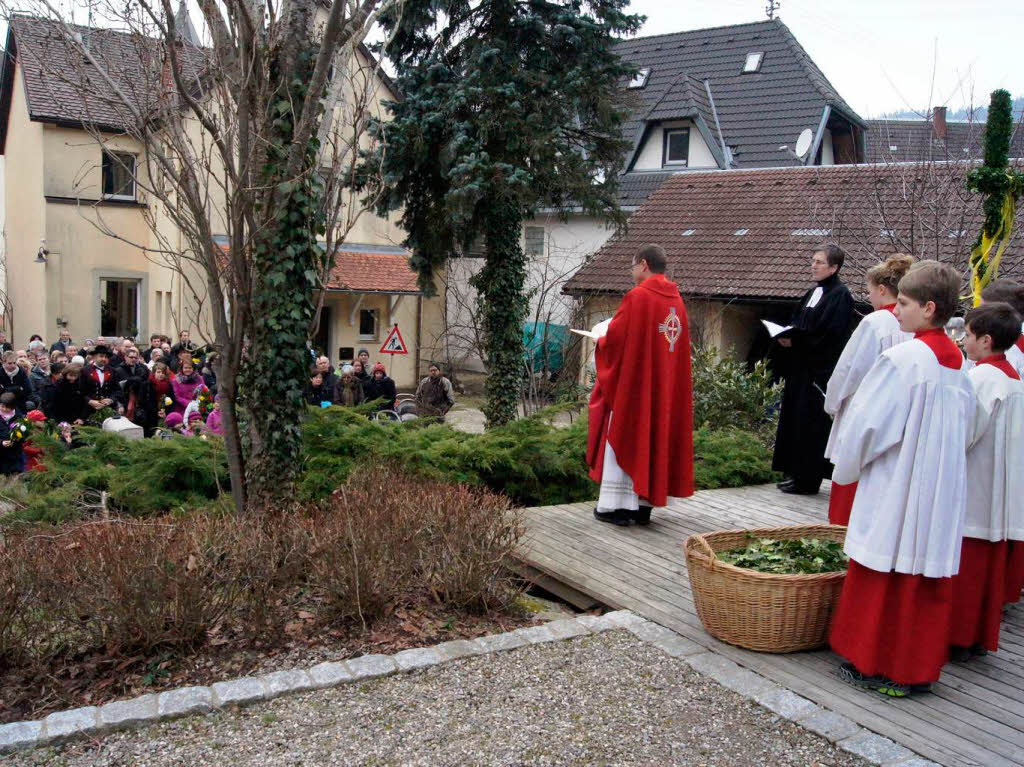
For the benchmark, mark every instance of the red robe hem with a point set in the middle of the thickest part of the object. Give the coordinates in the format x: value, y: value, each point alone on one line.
x: 978, y: 591
x: 893, y: 624
x: 840, y: 503
x: 1014, y: 571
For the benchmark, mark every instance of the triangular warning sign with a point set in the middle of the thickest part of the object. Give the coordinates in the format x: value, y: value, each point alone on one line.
x: 394, y: 343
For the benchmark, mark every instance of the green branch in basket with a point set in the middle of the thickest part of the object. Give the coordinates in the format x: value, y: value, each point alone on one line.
x: 796, y: 556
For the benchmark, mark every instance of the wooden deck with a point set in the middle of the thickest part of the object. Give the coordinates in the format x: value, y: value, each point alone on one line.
x: 975, y: 716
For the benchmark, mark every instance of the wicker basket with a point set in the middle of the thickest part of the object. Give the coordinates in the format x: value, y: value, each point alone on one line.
x: 762, y: 611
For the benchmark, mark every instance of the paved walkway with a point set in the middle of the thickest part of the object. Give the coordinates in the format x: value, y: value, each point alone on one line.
x: 597, y: 699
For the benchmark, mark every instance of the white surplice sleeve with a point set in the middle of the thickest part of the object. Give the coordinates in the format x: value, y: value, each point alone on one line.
x: 875, y: 421
x: 858, y: 356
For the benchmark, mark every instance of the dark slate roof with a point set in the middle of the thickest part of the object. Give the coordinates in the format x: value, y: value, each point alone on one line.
x: 635, y: 187
x: 871, y: 210
x: 62, y: 86
x: 759, y: 111
x: 915, y: 141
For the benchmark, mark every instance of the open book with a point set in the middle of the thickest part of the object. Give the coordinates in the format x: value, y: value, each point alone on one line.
x: 775, y: 330
x: 600, y: 330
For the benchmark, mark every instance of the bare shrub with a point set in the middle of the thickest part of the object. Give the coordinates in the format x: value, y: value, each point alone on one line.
x: 134, y: 588
x: 388, y: 537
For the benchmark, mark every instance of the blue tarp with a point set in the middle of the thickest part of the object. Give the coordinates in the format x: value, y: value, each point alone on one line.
x: 544, y: 344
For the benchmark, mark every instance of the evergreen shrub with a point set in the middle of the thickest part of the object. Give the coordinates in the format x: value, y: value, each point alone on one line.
x: 530, y: 460
x: 725, y: 391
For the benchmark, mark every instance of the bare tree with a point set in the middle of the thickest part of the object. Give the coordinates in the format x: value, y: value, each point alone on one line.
x: 241, y: 171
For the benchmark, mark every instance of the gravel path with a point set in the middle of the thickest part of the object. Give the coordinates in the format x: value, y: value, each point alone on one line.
x: 601, y: 699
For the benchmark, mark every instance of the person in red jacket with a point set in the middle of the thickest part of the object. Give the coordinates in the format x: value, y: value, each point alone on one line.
x: 640, y: 445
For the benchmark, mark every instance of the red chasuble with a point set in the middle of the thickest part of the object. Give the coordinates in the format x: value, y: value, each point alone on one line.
x: 897, y: 624
x: 643, y: 377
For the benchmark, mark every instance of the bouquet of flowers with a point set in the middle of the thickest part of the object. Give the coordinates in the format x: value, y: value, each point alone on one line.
x: 205, y: 400
x: 19, y: 432
x: 167, y: 402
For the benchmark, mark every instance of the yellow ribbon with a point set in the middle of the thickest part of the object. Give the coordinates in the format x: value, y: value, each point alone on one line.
x: 982, y: 253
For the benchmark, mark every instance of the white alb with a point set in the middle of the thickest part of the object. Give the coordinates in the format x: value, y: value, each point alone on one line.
x: 904, y: 439
x: 877, y: 332
x: 995, y: 459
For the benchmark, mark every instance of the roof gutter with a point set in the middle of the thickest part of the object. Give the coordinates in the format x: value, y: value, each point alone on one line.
x: 718, y: 126
x: 826, y: 113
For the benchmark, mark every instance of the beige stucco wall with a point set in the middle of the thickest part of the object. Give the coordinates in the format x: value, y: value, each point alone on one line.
x: 25, y: 223
x: 650, y: 155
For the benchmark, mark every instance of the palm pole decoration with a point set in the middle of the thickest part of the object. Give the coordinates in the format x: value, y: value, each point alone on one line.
x: 1001, y: 187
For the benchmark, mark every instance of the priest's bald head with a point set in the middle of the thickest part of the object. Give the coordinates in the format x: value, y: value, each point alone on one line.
x: 650, y: 259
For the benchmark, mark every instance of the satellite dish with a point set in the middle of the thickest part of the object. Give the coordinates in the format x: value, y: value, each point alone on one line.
x: 803, y: 143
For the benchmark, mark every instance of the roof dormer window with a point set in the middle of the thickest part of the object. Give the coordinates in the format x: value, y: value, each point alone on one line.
x: 640, y: 78
x: 753, y: 62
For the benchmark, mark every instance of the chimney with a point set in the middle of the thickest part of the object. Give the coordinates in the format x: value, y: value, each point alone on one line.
x: 939, y: 123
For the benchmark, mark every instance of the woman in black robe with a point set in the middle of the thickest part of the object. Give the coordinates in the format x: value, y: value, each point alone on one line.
x: 820, y: 329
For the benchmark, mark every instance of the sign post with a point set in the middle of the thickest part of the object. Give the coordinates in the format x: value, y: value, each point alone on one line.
x: 394, y: 344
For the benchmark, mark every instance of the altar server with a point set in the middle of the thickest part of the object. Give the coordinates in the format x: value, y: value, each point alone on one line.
x: 1012, y: 293
x: 995, y: 481
x: 905, y: 440
x: 877, y: 332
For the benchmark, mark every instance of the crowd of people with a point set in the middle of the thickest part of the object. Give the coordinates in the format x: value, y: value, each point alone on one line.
x: 166, y: 389
x: 923, y: 444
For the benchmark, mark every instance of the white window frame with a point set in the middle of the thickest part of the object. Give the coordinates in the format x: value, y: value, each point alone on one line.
x: 753, y: 62
x: 376, y: 325
x: 139, y: 301
x: 640, y: 78
x: 119, y: 159
x: 527, y: 240
x: 666, y: 134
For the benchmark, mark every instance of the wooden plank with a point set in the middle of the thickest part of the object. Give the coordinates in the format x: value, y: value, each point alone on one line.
x: 577, y: 599
x: 974, y: 719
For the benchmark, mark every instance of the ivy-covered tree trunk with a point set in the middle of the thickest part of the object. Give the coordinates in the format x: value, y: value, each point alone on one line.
x: 503, y: 309
x: 285, y: 277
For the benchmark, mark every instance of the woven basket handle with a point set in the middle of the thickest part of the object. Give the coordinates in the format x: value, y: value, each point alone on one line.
x: 705, y: 548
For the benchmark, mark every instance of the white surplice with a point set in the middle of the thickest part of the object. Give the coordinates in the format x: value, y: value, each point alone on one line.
x: 905, y: 440
x: 877, y: 332
x: 1015, y: 357
x: 995, y: 459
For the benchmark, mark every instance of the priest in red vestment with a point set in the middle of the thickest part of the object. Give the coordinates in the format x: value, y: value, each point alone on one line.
x: 640, y: 446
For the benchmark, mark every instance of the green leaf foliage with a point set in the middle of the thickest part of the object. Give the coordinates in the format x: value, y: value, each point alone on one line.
x: 726, y: 392
x: 531, y: 460
x: 797, y: 556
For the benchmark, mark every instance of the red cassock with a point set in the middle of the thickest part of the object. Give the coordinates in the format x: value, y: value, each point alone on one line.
x: 643, y: 377
x: 978, y: 594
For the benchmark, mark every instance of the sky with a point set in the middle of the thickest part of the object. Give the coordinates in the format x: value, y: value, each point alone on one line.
x: 881, y: 54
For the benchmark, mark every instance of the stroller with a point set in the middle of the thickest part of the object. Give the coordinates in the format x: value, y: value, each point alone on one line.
x: 404, y: 410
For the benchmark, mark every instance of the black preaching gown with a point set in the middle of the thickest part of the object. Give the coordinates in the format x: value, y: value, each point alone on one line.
x: 819, y: 334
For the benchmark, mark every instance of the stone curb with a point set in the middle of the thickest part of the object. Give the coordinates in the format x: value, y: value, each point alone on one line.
x: 151, y: 708
x: 155, y: 707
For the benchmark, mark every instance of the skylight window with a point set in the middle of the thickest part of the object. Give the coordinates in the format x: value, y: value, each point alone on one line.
x: 753, y: 62
x: 955, y: 234
x: 689, y: 232
x: 741, y: 232
x: 811, y: 232
x: 893, y: 147
x: 640, y: 78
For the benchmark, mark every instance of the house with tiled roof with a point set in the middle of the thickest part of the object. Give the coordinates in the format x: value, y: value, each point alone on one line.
x: 739, y: 242
x: 703, y: 100
x: 80, y: 230
x: 935, y: 138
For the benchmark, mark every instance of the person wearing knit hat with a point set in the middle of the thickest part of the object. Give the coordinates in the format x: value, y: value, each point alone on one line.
x: 36, y: 415
x: 381, y: 387
x: 174, y: 421
x: 363, y: 355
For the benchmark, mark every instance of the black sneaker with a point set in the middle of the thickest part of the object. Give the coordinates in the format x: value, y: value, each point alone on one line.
x: 620, y: 517
x: 641, y: 516
x: 880, y: 684
x: 783, y: 483
x: 794, y: 489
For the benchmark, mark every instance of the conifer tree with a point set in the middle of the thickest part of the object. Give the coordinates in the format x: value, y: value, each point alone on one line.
x: 507, y: 108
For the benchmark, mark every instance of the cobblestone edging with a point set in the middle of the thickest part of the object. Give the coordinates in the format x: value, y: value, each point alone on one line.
x: 154, y: 707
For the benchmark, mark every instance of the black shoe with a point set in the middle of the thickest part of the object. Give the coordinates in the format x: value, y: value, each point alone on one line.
x: 795, y: 489
x: 642, y: 516
x: 783, y: 483
x: 620, y: 517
